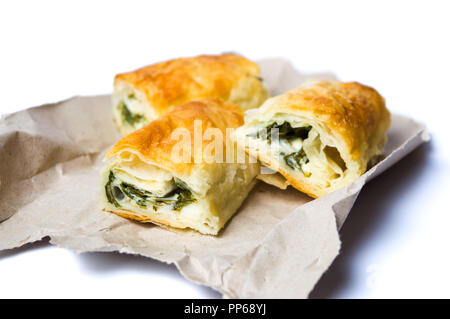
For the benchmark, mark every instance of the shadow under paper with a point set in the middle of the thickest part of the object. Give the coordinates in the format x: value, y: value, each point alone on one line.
x: 367, y: 217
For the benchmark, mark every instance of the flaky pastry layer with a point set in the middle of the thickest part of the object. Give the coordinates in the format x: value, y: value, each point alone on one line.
x: 329, y: 132
x: 145, y: 94
x: 142, y: 181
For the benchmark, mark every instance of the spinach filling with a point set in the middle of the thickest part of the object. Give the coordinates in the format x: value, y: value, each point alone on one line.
x: 128, y: 116
x: 109, y: 190
x: 176, y: 199
x: 288, y: 133
x: 285, y: 131
x: 296, y: 160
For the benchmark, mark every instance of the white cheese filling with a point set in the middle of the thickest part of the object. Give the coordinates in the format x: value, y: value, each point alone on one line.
x: 161, y: 183
x: 323, y: 162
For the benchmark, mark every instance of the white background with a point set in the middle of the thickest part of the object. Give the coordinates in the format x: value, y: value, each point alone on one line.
x: 396, y: 240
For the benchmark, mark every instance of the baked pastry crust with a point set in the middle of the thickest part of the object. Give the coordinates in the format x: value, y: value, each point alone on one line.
x: 349, y: 118
x: 152, y: 91
x: 144, y: 159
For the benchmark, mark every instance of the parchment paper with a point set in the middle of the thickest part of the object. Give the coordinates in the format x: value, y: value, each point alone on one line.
x: 277, y: 246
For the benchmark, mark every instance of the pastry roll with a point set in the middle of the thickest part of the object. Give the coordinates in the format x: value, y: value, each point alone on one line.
x: 147, y: 93
x: 150, y: 178
x: 319, y: 137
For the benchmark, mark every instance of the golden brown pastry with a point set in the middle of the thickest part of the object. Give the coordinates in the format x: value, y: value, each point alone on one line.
x: 328, y: 133
x: 150, y: 178
x: 147, y: 93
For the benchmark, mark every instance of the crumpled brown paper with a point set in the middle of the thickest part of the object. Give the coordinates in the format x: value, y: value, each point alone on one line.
x: 277, y: 246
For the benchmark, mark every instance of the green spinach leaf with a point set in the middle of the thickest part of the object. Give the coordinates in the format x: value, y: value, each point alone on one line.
x: 285, y: 131
x: 128, y: 116
x: 177, y: 199
x: 109, y: 191
x: 296, y: 160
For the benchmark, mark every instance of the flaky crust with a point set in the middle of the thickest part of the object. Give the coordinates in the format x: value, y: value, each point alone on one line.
x: 219, y: 188
x: 356, y: 112
x: 351, y: 116
x: 154, y: 142
x: 142, y: 219
x: 175, y: 82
